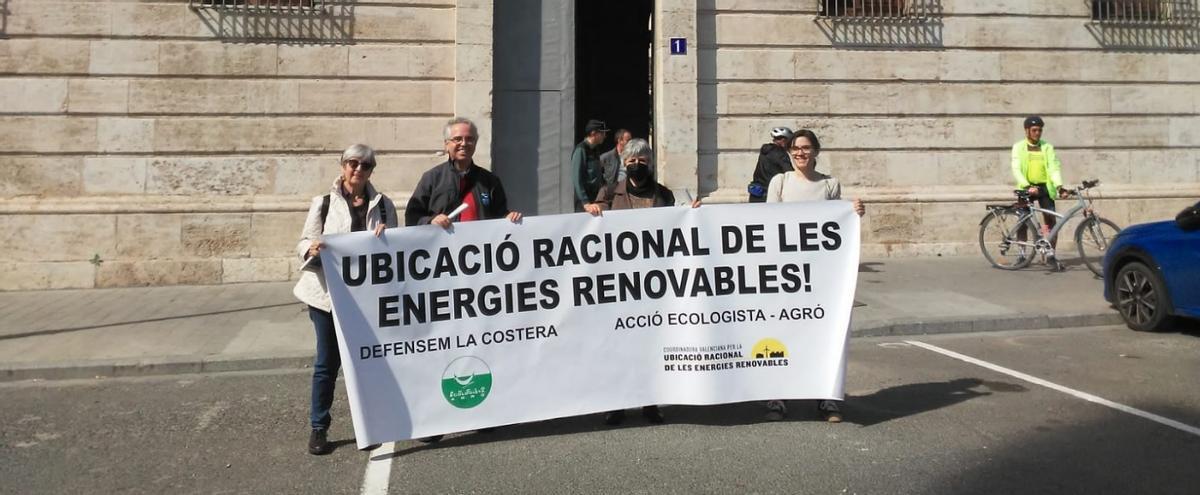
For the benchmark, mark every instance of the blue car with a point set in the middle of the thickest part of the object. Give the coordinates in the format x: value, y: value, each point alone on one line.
x: 1152, y: 271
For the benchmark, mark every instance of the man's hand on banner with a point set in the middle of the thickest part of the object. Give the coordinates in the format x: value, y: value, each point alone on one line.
x: 593, y: 208
x: 441, y: 220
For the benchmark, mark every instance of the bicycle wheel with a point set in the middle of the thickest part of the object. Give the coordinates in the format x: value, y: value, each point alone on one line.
x: 1092, y: 238
x: 998, y: 239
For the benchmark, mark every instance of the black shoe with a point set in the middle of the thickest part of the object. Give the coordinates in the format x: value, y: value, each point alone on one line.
x: 318, y: 443
x: 830, y: 411
x: 433, y: 439
x: 614, y: 418
x: 653, y: 415
x: 1055, y: 265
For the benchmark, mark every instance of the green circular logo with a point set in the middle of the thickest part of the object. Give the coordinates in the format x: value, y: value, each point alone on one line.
x: 466, y: 382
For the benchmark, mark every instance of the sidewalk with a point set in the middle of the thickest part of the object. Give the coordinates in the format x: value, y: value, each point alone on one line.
x: 191, y: 329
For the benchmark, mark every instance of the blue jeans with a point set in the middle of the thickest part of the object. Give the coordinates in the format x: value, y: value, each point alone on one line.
x: 325, y: 368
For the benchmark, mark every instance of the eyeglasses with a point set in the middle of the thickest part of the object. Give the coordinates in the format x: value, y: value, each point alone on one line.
x: 463, y: 139
x: 637, y: 160
x: 364, y: 166
x: 797, y: 149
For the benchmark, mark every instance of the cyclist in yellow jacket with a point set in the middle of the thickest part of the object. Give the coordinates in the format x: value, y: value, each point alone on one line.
x: 1036, y: 169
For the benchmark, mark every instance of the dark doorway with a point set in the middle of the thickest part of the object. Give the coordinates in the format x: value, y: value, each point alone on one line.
x: 613, y: 65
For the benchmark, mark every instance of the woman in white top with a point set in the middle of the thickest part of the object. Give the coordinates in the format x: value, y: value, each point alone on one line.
x: 804, y: 183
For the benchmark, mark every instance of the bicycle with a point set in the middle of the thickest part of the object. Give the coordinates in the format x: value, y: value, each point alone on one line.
x: 1006, y: 229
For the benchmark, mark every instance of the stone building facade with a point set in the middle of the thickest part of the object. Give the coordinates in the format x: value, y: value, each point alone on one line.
x: 148, y: 142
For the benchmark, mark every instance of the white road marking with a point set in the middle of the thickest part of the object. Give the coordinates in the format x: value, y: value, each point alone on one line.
x: 1054, y: 386
x: 379, y: 470
x: 894, y: 345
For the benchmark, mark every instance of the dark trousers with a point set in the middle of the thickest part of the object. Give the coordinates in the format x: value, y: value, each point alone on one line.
x: 325, y: 368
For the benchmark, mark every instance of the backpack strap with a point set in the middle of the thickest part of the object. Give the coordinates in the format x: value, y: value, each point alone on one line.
x: 383, y: 212
x: 324, y: 210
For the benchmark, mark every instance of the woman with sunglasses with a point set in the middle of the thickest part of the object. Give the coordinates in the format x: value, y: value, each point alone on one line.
x: 351, y: 205
x: 804, y: 183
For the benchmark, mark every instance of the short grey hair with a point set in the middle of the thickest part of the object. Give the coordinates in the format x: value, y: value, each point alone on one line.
x: 459, y: 120
x: 360, y: 152
x: 639, y: 147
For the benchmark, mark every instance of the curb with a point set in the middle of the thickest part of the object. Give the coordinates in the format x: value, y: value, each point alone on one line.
x: 987, y: 324
x: 180, y: 365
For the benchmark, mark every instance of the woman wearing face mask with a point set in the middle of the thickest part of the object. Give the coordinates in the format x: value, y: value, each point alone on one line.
x: 638, y: 190
x: 804, y: 183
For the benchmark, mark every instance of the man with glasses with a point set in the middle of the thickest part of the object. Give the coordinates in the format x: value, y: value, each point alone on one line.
x: 458, y: 181
x: 1036, y: 169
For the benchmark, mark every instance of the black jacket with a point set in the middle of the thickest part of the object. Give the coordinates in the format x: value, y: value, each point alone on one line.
x: 437, y: 192
x: 772, y: 160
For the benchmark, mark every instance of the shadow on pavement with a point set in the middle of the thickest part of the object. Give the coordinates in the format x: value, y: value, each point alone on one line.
x: 907, y: 400
x: 53, y: 331
x: 869, y: 267
x: 885, y: 405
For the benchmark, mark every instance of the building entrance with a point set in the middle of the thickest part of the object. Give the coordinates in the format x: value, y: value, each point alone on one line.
x: 613, y: 65
x: 558, y: 64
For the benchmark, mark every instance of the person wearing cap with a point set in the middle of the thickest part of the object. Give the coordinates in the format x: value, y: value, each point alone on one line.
x: 587, y: 173
x: 458, y: 181
x: 1036, y: 169
x: 772, y: 160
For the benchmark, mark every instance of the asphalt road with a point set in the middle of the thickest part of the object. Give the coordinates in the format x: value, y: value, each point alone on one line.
x: 918, y: 421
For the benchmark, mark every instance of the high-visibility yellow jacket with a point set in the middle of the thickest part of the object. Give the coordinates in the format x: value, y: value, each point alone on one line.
x: 1020, y: 165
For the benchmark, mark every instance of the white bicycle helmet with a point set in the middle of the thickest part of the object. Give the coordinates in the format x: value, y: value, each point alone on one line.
x: 781, y: 132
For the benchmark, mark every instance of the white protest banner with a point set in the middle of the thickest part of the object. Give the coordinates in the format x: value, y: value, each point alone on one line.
x: 496, y: 323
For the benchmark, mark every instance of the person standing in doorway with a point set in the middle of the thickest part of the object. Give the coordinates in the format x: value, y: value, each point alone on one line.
x: 772, y: 160
x: 1037, y: 170
x: 587, y: 173
x: 614, y: 170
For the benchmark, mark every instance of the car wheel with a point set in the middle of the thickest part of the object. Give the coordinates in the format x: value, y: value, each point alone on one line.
x: 1141, y: 297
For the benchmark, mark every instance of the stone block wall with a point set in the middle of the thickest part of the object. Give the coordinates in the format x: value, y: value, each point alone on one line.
x: 145, y: 142
x: 917, y: 118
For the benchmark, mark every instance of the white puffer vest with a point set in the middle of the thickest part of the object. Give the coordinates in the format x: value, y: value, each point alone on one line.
x: 311, y: 288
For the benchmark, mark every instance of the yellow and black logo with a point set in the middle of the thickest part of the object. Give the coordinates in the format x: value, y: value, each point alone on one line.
x: 769, y: 348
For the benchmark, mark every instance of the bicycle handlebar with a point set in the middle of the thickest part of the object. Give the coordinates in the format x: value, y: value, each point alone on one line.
x: 1023, y: 194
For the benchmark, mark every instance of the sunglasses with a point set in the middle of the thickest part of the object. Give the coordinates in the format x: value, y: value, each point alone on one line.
x: 365, y: 166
